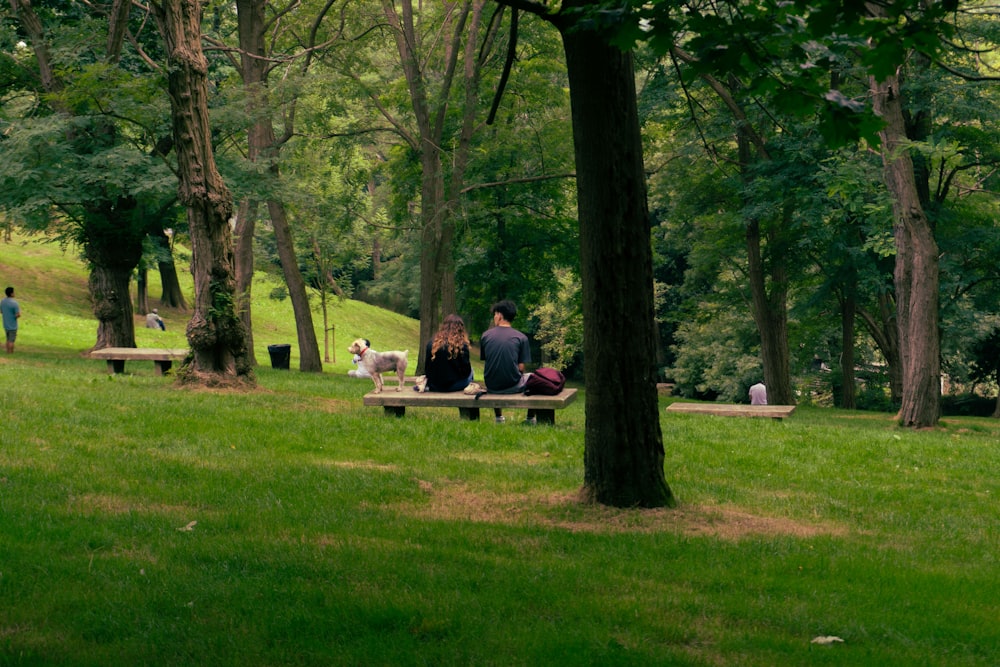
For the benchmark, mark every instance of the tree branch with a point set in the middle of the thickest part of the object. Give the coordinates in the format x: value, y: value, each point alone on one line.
x: 526, y: 179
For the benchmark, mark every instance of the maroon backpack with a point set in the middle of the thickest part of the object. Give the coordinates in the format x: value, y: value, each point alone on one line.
x: 546, y: 381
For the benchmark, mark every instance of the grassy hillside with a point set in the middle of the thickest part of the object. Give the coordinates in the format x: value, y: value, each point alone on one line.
x: 51, y: 286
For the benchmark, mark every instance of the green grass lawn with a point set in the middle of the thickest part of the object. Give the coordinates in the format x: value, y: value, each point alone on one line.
x: 146, y: 524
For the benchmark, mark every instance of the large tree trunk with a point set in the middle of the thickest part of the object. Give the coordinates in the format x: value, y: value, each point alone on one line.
x: 216, y: 334
x: 263, y: 144
x: 113, y: 248
x: 110, y: 299
x: 623, y: 445
x: 916, y: 274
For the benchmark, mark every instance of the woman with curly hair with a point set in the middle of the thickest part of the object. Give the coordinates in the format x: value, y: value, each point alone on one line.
x: 448, y: 367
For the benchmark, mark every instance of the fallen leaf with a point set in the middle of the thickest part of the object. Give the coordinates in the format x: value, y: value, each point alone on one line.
x: 827, y: 640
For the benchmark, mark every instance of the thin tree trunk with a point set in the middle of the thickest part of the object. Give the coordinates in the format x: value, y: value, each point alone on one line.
x: 848, y: 395
x: 246, y: 219
x: 436, y: 246
x: 142, y: 290
x: 309, y: 358
x: 437, y: 261
x: 769, y: 293
x: 996, y: 408
x: 770, y: 314
x: 890, y: 348
x: 263, y: 144
x: 216, y: 334
x: 885, y: 332
x: 623, y: 445
x: 171, y: 296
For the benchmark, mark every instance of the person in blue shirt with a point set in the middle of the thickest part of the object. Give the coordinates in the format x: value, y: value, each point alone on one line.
x: 11, y: 312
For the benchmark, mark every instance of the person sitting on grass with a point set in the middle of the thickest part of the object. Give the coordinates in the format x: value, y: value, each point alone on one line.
x: 154, y: 321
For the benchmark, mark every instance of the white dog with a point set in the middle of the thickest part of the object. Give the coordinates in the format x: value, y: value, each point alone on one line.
x: 378, y: 362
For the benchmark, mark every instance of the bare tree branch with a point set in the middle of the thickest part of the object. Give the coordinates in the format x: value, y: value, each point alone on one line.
x: 526, y: 179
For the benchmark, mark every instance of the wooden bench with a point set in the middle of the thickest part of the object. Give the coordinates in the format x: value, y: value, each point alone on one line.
x: 396, y: 402
x: 162, y: 358
x: 733, y: 409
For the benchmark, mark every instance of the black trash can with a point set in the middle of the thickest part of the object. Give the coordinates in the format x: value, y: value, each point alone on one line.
x: 281, y: 355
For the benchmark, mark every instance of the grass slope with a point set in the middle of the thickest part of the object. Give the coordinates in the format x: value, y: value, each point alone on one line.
x: 51, y: 286
x: 144, y: 524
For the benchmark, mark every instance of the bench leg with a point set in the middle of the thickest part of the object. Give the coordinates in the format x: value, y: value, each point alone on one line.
x: 161, y: 367
x: 472, y: 414
x: 116, y: 366
x: 394, y: 410
x: 545, y: 416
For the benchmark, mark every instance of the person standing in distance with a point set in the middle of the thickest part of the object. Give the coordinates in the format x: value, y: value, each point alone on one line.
x: 505, y: 351
x: 11, y: 311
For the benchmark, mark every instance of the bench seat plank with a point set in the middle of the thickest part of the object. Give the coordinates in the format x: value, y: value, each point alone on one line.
x: 396, y: 402
x: 733, y: 409
x: 116, y: 357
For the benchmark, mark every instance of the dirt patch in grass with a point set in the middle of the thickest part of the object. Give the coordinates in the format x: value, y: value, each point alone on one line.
x: 333, y: 405
x: 459, y: 502
x: 362, y: 465
x: 95, y: 503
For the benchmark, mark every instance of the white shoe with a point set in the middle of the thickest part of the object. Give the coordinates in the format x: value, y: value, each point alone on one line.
x: 501, y: 420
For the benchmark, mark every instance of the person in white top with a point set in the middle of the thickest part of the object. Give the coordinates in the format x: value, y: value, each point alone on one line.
x: 758, y: 394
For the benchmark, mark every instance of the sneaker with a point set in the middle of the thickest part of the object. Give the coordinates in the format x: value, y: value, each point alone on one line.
x: 501, y: 420
x: 531, y: 422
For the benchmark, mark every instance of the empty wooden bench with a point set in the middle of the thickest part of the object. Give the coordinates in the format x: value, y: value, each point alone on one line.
x: 733, y: 409
x: 162, y: 358
x: 396, y: 402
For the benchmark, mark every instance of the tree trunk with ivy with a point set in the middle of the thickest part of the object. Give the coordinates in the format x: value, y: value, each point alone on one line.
x: 218, y: 338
